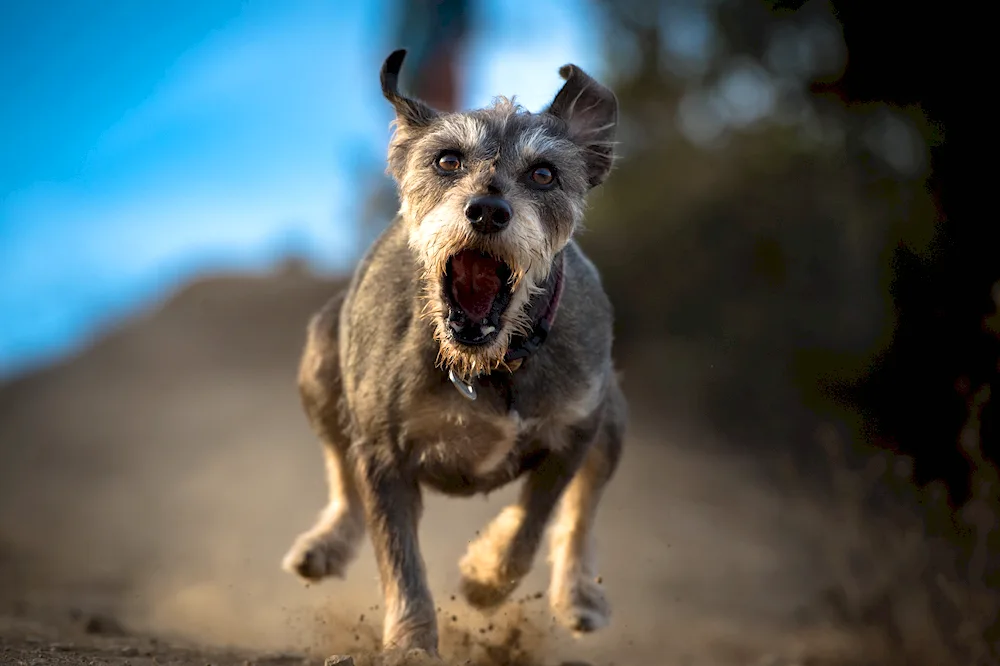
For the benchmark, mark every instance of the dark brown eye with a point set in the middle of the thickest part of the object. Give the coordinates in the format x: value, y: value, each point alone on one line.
x: 449, y: 162
x: 542, y: 176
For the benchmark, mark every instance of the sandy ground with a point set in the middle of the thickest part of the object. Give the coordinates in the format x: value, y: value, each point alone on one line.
x: 156, y: 480
x: 706, y: 571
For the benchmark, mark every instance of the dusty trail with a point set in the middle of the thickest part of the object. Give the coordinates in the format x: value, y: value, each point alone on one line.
x: 160, y: 476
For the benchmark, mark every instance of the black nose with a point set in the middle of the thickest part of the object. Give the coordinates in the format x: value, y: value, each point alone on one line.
x: 489, y: 214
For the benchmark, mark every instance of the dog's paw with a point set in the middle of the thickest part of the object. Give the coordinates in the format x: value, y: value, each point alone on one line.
x: 493, y: 566
x: 484, y: 589
x: 323, y: 552
x: 580, y: 606
x: 412, y: 639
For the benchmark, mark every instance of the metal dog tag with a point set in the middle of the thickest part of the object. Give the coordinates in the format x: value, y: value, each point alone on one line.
x: 467, y: 390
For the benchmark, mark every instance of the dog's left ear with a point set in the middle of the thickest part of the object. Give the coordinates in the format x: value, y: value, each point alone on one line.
x: 591, y: 112
x: 411, y: 112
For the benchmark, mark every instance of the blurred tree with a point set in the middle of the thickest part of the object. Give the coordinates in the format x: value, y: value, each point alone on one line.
x: 798, y: 243
x: 782, y: 225
x: 942, y: 353
x: 739, y: 240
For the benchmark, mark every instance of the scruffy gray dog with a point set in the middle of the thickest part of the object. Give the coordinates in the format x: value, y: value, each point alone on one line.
x: 472, y: 347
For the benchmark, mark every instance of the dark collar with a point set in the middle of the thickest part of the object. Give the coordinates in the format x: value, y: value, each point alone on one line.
x: 522, y: 347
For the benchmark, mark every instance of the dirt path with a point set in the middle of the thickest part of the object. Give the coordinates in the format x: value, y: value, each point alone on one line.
x: 696, y: 557
x: 60, y: 641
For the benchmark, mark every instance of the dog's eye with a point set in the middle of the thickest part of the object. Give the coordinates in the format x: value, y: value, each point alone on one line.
x: 449, y: 162
x: 542, y: 176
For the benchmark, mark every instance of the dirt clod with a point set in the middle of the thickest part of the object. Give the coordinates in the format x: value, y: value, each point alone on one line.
x: 339, y: 660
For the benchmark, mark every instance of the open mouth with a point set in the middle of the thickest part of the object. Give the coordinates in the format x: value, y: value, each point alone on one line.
x: 477, y: 290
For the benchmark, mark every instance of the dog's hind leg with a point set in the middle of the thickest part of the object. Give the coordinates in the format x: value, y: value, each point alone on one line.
x: 329, y: 546
x: 575, y: 594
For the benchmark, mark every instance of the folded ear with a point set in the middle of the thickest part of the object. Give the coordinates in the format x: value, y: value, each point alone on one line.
x: 590, y: 110
x: 411, y: 112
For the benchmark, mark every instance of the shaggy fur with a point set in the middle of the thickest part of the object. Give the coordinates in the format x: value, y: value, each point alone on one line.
x: 374, y: 374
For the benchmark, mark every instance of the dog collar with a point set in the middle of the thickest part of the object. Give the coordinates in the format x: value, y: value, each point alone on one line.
x: 523, y: 347
x: 520, y: 349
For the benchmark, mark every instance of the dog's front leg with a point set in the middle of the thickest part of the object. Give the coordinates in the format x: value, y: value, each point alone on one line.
x: 503, y: 554
x: 392, y: 502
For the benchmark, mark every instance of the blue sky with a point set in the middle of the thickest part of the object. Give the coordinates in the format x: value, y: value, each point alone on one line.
x: 145, y: 142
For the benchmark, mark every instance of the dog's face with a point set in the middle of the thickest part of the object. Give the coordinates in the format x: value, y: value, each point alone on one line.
x: 490, y: 197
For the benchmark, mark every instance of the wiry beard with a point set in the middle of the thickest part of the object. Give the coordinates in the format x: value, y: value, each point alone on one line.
x: 523, y: 247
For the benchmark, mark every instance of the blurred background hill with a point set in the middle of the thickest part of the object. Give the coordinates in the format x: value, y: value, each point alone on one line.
x: 784, y: 241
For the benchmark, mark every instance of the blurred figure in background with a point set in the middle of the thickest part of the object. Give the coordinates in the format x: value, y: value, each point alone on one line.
x: 435, y: 33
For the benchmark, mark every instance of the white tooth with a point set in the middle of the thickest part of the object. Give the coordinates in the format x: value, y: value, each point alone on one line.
x: 455, y: 325
x: 486, y: 330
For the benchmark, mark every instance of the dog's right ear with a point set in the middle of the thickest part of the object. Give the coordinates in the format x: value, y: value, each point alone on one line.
x: 410, y: 112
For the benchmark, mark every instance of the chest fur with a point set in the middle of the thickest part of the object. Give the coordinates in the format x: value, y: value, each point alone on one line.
x: 484, y: 439
x: 469, y: 441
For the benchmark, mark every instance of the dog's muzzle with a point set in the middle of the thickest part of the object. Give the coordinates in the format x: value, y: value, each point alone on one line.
x: 477, y: 289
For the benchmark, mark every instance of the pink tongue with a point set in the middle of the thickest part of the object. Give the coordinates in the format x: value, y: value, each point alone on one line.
x: 475, y: 283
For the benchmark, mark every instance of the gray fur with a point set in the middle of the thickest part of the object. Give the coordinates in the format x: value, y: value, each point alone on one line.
x: 374, y: 382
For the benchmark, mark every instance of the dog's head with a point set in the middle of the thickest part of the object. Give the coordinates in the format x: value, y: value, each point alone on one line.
x: 490, y: 197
